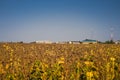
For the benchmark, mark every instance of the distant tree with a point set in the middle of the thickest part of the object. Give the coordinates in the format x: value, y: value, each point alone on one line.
x: 109, y: 42
x: 20, y: 42
x: 100, y: 42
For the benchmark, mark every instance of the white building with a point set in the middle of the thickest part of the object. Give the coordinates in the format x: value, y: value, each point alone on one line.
x: 74, y: 42
x: 43, y: 42
x: 117, y: 42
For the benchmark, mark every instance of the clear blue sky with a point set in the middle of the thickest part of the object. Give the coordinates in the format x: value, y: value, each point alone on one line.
x: 59, y: 20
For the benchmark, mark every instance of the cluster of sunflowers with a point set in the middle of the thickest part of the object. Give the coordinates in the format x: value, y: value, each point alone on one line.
x: 20, y: 61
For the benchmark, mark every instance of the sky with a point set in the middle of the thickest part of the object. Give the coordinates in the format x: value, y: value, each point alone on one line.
x: 59, y: 20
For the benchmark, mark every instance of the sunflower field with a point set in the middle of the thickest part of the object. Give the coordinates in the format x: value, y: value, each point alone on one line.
x: 30, y: 61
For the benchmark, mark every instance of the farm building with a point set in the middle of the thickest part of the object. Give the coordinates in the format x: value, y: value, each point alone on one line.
x: 62, y: 42
x: 74, y: 42
x: 44, y: 42
x: 89, y: 41
x: 117, y: 42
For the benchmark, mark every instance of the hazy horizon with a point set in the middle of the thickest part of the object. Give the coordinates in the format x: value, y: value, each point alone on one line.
x: 59, y: 20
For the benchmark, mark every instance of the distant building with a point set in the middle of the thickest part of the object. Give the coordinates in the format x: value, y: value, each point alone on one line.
x: 117, y: 42
x: 68, y: 42
x: 43, y: 42
x: 89, y: 41
x: 74, y: 42
x: 62, y: 42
